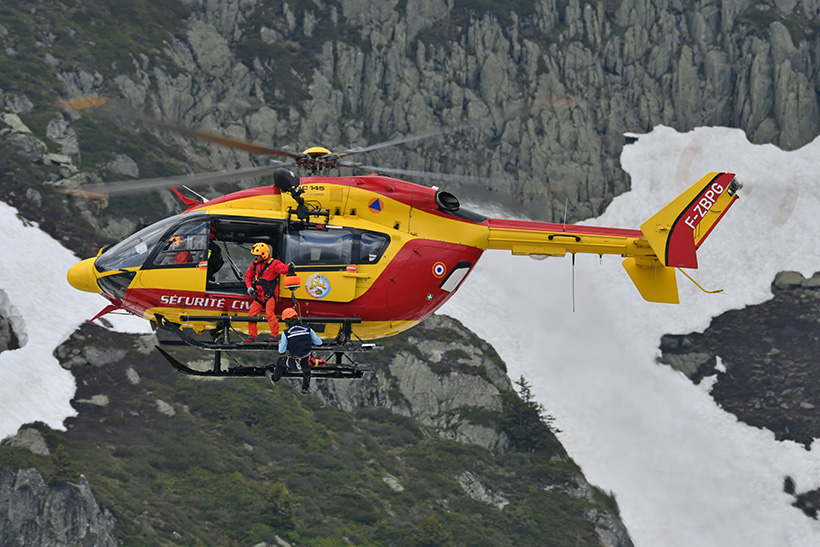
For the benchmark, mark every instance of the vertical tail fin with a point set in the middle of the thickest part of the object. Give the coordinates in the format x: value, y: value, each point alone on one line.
x: 677, y: 231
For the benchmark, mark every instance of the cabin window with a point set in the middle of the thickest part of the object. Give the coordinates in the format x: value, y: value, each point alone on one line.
x: 334, y: 246
x: 371, y: 247
x: 185, y: 245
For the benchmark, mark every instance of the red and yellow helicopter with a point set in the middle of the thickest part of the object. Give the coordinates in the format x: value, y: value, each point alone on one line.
x: 377, y: 254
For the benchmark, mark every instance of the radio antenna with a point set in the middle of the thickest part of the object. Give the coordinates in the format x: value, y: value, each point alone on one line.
x: 573, y: 282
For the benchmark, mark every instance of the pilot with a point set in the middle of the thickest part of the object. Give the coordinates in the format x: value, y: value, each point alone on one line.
x: 183, y: 256
x: 262, y: 281
x: 297, y: 341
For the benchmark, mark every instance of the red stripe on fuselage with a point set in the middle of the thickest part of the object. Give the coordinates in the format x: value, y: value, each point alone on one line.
x: 400, y: 293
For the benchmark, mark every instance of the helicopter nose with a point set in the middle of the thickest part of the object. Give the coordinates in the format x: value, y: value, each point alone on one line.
x: 82, y: 276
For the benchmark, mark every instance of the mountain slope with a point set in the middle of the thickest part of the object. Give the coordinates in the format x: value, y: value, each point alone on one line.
x: 177, y: 460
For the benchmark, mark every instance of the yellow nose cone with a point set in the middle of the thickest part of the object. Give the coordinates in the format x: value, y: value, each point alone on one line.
x: 83, y: 276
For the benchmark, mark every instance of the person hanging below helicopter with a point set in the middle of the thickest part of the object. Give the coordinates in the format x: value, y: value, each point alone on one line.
x: 297, y: 341
x: 262, y: 281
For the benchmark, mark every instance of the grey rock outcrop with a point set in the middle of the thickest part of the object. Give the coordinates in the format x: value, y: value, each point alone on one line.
x: 6, y: 335
x: 472, y: 485
x: 440, y: 377
x: 10, y: 322
x: 30, y: 438
x: 93, y: 356
x: 50, y: 515
x: 14, y: 132
x: 788, y: 280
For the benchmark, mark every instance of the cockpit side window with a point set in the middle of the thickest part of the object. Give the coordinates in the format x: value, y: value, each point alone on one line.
x: 135, y: 249
x: 186, y: 245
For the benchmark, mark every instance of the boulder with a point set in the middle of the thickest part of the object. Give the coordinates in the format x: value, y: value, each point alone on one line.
x: 785, y: 281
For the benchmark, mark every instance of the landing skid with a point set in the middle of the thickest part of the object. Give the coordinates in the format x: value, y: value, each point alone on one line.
x: 327, y: 371
x: 337, y: 362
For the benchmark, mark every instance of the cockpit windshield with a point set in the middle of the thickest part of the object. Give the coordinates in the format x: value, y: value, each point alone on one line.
x: 135, y: 249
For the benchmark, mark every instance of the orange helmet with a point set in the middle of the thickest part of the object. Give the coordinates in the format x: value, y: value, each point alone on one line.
x: 175, y: 242
x: 289, y: 313
x: 261, y: 249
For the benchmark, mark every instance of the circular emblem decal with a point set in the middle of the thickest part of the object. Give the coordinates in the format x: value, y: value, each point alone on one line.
x: 439, y: 269
x: 317, y: 285
x: 375, y: 205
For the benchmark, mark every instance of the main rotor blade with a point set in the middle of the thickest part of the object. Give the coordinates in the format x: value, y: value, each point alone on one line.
x: 133, y: 186
x: 407, y: 138
x: 431, y: 175
x: 226, y: 141
x: 117, y: 108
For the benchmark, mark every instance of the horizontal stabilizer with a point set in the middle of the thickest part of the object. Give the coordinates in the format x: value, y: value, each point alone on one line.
x: 655, y: 282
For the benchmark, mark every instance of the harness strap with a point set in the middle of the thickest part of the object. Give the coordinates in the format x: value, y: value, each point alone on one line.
x: 267, y: 286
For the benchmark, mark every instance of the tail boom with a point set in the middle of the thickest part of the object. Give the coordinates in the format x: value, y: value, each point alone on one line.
x: 668, y: 240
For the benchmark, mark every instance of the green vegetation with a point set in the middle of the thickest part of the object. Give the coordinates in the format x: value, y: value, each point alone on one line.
x: 96, y: 35
x: 241, y: 462
x: 526, y: 421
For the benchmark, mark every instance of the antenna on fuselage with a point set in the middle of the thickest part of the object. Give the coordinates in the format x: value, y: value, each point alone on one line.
x: 573, y: 282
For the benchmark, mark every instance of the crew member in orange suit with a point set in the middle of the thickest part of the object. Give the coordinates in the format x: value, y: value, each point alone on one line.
x: 262, y: 280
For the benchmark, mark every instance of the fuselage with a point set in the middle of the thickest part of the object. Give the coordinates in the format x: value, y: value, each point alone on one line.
x: 382, y: 251
x: 385, y: 251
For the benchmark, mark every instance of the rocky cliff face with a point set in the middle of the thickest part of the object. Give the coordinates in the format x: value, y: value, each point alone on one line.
x: 548, y: 88
x: 50, y: 515
x: 440, y: 376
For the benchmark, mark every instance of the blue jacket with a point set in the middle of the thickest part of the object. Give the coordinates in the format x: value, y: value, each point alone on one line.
x: 299, y: 339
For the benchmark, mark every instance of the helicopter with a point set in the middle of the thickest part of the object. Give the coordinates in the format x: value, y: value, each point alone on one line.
x: 377, y: 254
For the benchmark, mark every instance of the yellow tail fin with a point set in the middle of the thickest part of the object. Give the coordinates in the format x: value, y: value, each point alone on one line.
x: 676, y: 232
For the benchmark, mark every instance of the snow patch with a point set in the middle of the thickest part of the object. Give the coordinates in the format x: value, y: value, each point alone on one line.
x: 684, y: 471
x: 36, y: 295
